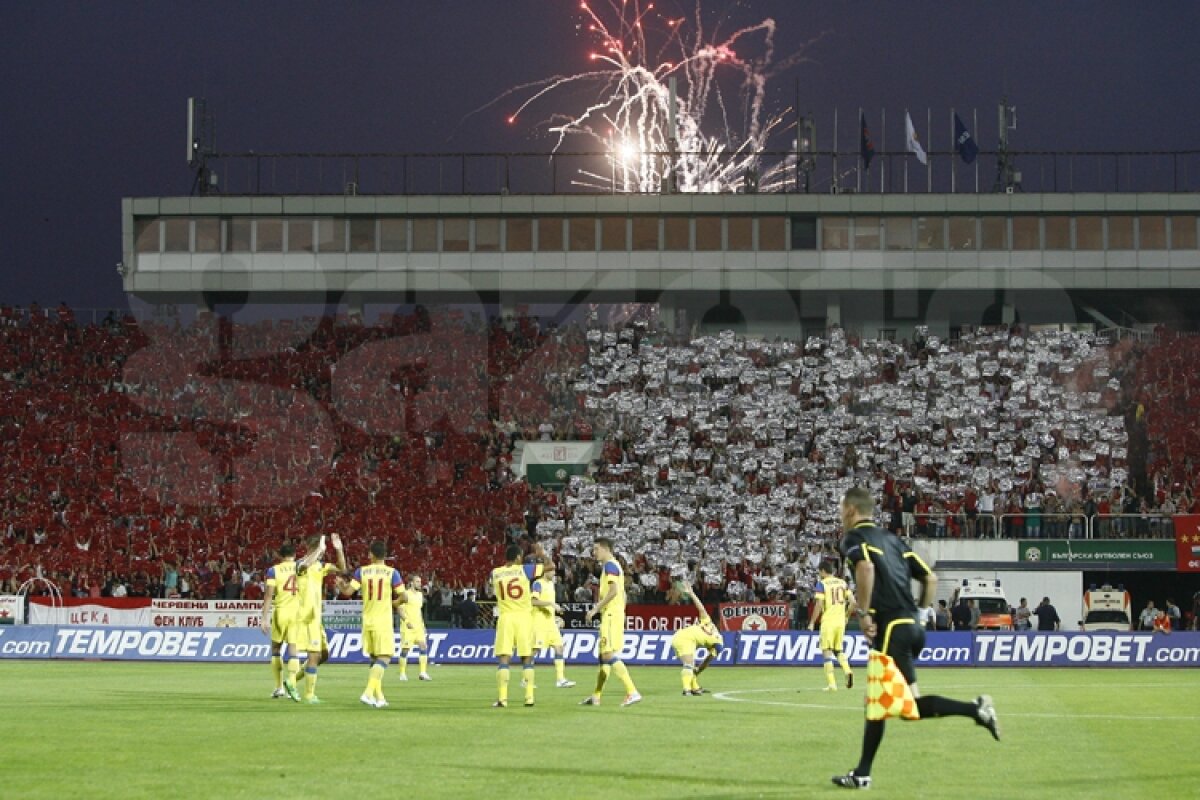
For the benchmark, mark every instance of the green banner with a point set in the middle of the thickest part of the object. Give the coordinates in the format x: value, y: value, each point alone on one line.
x: 1095, y: 551
x: 552, y: 474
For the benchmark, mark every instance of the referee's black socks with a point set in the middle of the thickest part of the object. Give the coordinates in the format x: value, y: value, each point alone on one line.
x: 935, y: 706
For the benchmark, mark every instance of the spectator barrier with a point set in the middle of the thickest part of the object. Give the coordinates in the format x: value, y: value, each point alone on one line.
x: 767, y: 648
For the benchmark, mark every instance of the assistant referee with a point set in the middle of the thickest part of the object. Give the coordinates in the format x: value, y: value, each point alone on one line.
x: 884, y: 568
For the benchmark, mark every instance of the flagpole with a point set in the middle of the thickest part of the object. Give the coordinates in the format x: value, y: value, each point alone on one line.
x: 952, y: 149
x: 858, y: 164
x: 928, y: 149
x: 906, y: 145
x: 975, y: 127
x: 837, y: 180
x: 882, y: 146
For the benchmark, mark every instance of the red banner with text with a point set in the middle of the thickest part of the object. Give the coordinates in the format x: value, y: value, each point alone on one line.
x: 755, y: 616
x: 1187, y: 543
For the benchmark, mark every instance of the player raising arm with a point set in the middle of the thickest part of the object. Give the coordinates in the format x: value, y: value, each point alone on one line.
x: 280, y: 610
x: 832, y: 599
x: 382, y: 590
x: 685, y: 642
x: 312, y: 605
x: 611, y: 609
x: 412, y: 630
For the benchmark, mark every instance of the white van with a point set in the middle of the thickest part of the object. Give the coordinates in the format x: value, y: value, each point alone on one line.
x: 995, y: 614
x: 1106, y: 609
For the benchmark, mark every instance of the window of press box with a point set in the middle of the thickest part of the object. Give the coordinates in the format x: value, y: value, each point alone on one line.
x: 146, y: 235
x: 1026, y: 233
x: 804, y: 233
x: 931, y: 233
x: 300, y: 235
x: 331, y: 235
x: 456, y: 234
x: 177, y: 235
x: 487, y: 235
x: 518, y: 235
x: 550, y: 234
x: 1120, y: 233
x: 1183, y: 233
x: 1058, y: 233
x: 239, y: 235
x: 1152, y: 233
x: 708, y: 233
x: 677, y: 233
x: 740, y: 231
x: 993, y: 233
x: 645, y: 233
x: 424, y: 235
x: 208, y: 235
x: 268, y: 235
x: 1089, y: 233
x: 867, y: 233
x: 772, y: 233
x: 835, y: 233
x: 962, y: 233
x: 362, y: 235
x: 582, y: 233
x: 612, y: 234
x: 898, y: 233
x: 393, y: 235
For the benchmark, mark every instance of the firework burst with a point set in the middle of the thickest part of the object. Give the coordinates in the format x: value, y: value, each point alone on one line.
x: 637, y: 53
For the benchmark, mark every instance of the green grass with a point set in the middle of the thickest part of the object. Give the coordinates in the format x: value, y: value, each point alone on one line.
x: 162, y: 730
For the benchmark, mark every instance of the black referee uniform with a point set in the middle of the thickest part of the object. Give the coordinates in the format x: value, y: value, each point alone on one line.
x: 899, y: 635
x: 892, y: 605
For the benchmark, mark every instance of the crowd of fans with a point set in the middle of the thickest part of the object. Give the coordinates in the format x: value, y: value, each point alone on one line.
x: 133, y: 452
x: 149, y: 459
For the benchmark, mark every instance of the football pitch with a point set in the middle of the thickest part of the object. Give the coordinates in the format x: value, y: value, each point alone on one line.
x: 201, y: 730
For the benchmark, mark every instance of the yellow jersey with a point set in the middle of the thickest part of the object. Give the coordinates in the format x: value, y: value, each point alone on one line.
x: 380, y: 584
x: 833, y: 593
x: 511, y: 585
x: 311, y: 585
x: 286, y: 600
x: 612, y: 575
x: 703, y: 634
x: 543, y: 589
x: 413, y: 603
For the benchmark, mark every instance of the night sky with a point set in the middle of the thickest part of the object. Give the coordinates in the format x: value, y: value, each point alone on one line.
x: 93, y: 101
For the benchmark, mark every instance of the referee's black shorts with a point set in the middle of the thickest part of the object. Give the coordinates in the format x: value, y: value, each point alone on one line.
x: 903, y: 640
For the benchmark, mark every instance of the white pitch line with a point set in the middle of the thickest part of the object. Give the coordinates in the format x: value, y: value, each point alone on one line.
x: 730, y: 697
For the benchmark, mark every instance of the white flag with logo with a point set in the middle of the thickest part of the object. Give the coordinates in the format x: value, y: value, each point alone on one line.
x: 912, y: 143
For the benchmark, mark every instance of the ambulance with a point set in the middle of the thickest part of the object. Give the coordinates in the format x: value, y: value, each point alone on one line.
x: 1106, y: 609
x: 995, y: 614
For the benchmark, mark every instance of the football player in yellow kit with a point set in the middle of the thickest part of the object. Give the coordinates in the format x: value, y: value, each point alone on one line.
x: 687, y: 641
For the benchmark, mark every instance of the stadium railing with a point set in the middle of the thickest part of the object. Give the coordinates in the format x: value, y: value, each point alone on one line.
x: 1133, y: 526
x: 1048, y: 526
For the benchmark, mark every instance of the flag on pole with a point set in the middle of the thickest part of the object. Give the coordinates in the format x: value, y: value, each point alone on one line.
x: 963, y: 142
x: 865, y: 145
x: 911, y: 142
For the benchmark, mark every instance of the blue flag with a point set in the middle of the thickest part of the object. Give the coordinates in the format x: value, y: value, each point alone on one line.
x: 865, y: 145
x: 963, y: 142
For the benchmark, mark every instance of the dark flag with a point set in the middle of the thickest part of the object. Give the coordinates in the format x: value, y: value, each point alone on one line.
x: 963, y: 142
x: 865, y: 145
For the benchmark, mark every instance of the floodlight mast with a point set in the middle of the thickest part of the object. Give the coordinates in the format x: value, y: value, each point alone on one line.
x: 201, y: 144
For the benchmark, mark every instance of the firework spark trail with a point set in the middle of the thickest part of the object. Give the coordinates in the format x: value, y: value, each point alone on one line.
x: 630, y: 116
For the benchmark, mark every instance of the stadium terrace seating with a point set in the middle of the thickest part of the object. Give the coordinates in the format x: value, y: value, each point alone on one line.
x: 731, y: 453
x: 127, y: 446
